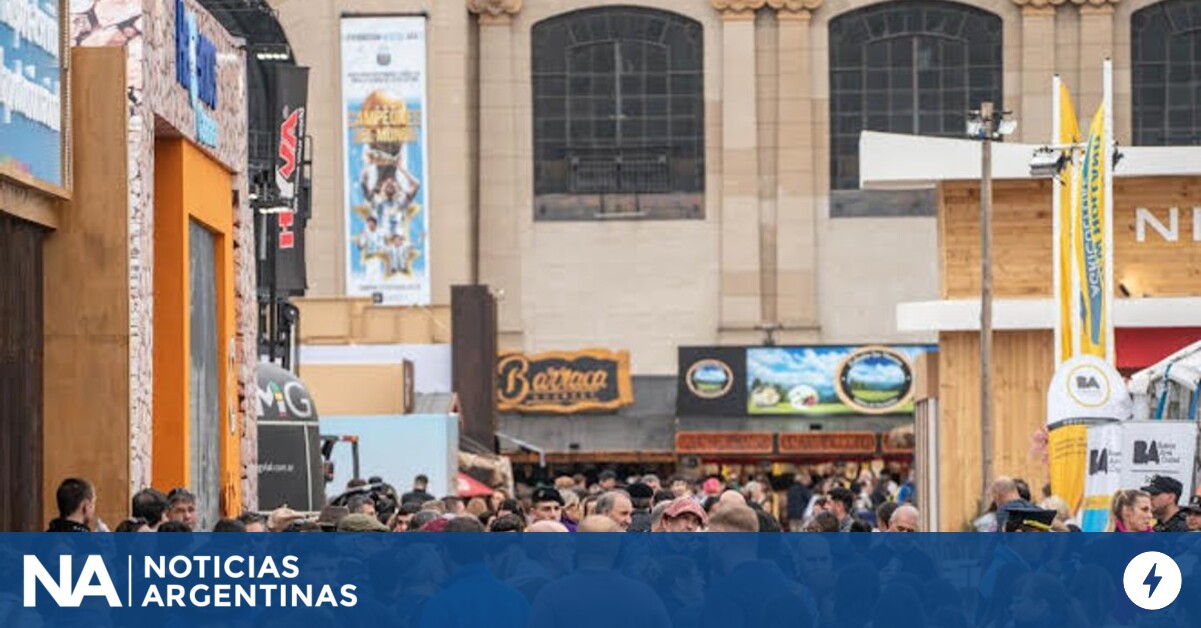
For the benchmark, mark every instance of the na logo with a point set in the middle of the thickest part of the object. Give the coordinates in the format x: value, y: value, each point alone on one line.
x: 1145, y: 452
x: 94, y: 581
x: 1098, y: 461
x: 1087, y: 382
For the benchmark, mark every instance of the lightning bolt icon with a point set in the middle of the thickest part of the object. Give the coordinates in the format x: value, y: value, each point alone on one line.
x: 1152, y: 580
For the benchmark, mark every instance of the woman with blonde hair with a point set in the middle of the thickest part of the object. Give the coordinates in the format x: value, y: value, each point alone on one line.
x: 1130, y: 512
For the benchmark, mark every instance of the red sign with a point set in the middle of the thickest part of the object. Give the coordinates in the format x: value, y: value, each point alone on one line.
x: 828, y: 443
x: 724, y: 443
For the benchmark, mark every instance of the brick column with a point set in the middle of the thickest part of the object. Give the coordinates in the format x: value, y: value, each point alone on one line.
x: 1096, y: 43
x: 740, y: 228
x: 499, y: 244
x: 1038, y: 66
x: 796, y: 220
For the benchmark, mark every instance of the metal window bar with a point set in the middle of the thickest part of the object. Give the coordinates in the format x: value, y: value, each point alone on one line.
x: 620, y: 174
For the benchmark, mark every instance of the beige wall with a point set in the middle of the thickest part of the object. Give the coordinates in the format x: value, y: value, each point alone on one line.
x: 766, y: 251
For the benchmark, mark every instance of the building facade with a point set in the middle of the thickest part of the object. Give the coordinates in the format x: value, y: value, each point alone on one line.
x: 654, y: 174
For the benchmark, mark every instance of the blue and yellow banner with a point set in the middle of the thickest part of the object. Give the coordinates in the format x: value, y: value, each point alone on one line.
x: 1090, y: 243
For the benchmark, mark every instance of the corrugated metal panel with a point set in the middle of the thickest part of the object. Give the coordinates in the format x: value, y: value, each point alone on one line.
x: 206, y: 383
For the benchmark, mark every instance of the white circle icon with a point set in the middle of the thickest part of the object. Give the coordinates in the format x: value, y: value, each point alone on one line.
x: 1152, y: 580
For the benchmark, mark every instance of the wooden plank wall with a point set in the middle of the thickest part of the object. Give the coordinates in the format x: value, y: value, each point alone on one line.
x: 87, y: 322
x: 21, y: 353
x: 1022, y: 243
x: 1022, y: 367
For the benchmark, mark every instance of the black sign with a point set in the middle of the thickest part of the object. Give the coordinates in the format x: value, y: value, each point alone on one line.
x: 712, y: 381
x: 291, y: 101
x: 289, y: 440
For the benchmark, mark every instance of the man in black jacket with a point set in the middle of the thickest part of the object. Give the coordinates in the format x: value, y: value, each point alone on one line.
x: 76, y: 506
x: 1165, y: 504
x: 799, y: 495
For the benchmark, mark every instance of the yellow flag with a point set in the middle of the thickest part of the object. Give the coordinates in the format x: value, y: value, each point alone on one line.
x: 1090, y: 243
x: 1069, y: 134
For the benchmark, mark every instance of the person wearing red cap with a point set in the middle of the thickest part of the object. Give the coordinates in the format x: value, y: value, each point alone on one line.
x: 684, y: 515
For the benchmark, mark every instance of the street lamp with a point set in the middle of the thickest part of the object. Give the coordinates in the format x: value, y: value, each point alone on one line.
x: 987, y: 124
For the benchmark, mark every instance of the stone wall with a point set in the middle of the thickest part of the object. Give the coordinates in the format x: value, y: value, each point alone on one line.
x: 146, y: 29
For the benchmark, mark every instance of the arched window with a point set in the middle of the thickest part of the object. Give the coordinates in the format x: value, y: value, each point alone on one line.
x: 1166, y: 73
x: 618, y: 115
x: 908, y: 67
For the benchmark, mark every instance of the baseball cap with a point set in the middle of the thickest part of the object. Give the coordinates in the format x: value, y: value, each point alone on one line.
x: 1164, y: 484
x: 546, y: 494
x: 683, y: 506
x: 1194, y: 505
x: 711, y: 486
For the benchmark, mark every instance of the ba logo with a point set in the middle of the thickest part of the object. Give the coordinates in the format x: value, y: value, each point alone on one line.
x: 1145, y: 452
x: 1085, y: 382
x: 93, y: 581
x: 1098, y: 461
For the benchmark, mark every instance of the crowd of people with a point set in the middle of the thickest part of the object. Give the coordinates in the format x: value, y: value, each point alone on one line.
x: 827, y: 580
x: 869, y: 502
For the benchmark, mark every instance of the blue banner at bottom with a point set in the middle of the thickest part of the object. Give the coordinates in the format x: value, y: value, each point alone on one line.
x: 685, y: 580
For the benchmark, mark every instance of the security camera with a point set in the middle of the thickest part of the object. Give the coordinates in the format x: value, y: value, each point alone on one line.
x: 1047, y: 162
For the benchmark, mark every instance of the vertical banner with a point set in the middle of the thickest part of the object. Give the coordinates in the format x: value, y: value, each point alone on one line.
x: 1104, y: 475
x: 1091, y: 245
x: 291, y: 98
x: 1066, y: 133
x: 384, y: 135
x: 1067, y: 448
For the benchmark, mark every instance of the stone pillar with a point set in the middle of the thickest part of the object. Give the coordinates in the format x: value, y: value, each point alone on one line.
x: 1038, y: 66
x: 1096, y: 43
x: 499, y: 224
x: 740, y: 280
x: 796, y: 219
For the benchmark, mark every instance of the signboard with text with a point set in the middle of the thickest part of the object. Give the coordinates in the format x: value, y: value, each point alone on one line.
x: 564, y: 383
x: 32, y: 111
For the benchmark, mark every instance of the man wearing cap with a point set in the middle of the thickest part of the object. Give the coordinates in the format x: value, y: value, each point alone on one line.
x: 684, y: 515
x: 548, y: 506
x: 1193, y: 513
x: 1165, y: 504
x: 1029, y: 520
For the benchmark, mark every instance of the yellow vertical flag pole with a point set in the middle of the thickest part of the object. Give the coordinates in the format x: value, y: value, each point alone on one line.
x: 1110, y: 148
x: 1067, y: 445
x: 1065, y: 132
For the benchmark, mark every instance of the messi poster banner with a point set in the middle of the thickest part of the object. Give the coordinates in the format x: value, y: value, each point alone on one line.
x: 384, y: 135
x: 831, y: 380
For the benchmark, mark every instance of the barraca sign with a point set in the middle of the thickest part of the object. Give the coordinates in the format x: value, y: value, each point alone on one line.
x: 564, y: 383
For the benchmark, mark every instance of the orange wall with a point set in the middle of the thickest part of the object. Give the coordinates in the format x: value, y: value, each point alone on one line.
x: 190, y: 186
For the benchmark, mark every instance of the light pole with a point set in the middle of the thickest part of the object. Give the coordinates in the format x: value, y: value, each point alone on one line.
x: 986, y: 124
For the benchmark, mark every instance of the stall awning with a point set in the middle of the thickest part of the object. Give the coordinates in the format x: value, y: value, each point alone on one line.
x: 471, y: 487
